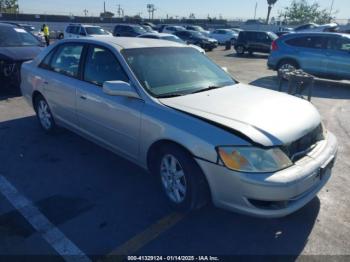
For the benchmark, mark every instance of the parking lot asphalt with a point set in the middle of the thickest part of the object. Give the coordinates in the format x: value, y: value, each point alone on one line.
x: 104, y: 205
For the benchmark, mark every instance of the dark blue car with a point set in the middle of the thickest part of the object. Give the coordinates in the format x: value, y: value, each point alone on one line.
x: 324, y: 55
x: 16, y: 46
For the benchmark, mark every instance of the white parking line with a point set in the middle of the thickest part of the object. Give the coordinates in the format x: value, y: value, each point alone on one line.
x: 63, y: 246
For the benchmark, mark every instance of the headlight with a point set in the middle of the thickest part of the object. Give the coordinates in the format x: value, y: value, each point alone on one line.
x: 253, y: 159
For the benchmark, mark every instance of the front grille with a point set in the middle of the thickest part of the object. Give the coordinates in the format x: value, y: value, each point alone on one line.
x: 305, y: 144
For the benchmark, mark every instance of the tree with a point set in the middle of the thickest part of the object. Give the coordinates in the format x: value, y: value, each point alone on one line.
x: 301, y: 12
x: 270, y: 4
x: 9, y: 6
x: 107, y: 14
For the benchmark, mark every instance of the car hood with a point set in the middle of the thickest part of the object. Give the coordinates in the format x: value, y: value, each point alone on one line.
x: 197, y: 48
x: 21, y: 53
x: 266, y: 117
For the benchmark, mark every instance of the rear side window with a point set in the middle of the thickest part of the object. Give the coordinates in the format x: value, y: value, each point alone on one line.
x: 262, y: 37
x: 66, y: 60
x: 315, y: 42
x: 101, y: 66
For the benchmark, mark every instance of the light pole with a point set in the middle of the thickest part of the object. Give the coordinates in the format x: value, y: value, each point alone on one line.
x: 256, y: 6
x: 331, y: 9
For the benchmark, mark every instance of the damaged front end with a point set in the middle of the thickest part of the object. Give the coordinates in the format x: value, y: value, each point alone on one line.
x: 10, y: 73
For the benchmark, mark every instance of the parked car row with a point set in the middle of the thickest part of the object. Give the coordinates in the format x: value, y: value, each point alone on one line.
x: 324, y: 55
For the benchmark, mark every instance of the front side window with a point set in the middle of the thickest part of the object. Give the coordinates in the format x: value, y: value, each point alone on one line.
x: 167, y: 71
x: 95, y: 31
x: 340, y: 44
x: 66, y: 60
x: 101, y: 65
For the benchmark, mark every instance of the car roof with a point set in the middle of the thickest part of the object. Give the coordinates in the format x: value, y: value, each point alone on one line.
x: 255, y: 31
x: 128, y: 25
x: 159, y: 34
x: 126, y: 42
x: 315, y: 34
x: 83, y: 25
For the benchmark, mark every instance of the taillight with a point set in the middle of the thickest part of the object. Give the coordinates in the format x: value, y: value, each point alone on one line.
x: 274, y: 46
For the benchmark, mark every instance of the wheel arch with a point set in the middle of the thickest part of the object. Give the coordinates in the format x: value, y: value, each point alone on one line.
x: 286, y: 59
x: 155, y: 147
x: 36, y: 94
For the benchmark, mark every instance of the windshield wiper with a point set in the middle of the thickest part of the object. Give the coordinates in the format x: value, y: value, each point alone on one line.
x: 170, y: 95
x: 206, y: 89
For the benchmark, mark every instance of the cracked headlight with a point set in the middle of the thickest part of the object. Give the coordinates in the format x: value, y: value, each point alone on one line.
x: 253, y: 159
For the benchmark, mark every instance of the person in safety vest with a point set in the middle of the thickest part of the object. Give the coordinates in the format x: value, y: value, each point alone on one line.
x: 46, y: 32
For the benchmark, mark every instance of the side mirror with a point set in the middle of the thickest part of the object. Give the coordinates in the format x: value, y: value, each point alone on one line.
x: 82, y: 34
x: 225, y: 69
x: 119, y: 88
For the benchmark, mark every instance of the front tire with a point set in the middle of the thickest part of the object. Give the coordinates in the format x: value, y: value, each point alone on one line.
x: 181, y: 179
x: 44, y: 114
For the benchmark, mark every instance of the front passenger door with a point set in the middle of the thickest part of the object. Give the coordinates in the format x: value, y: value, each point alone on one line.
x: 112, y: 120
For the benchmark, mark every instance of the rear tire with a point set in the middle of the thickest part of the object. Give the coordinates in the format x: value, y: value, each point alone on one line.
x: 288, y: 64
x: 44, y: 114
x: 181, y: 179
x: 240, y: 49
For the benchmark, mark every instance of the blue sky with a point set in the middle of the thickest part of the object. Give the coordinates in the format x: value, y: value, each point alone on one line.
x: 201, y: 8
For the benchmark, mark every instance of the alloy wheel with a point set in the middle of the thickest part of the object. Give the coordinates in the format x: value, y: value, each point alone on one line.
x: 44, y: 115
x: 173, y: 179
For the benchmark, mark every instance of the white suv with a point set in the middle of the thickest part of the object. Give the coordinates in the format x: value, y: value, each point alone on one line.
x: 81, y: 31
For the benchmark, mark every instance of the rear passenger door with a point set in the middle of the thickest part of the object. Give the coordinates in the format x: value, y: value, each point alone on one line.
x: 338, y: 53
x: 61, y: 71
x: 112, y: 120
x: 311, y: 53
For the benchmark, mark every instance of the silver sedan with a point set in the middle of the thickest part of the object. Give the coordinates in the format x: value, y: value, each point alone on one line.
x: 171, y: 110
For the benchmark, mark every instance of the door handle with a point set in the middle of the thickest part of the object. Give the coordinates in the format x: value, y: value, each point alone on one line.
x: 46, y: 83
x: 83, y: 97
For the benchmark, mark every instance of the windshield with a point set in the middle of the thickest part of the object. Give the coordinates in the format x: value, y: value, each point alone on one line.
x: 273, y: 36
x: 148, y: 28
x: 139, y: 29
x: 175, y: 71
x: 197, y: 34
x: 29, y: 28
x: 197, y: 28
x: 173, y: 38
x: 12, y: 37
x: 95, y: 31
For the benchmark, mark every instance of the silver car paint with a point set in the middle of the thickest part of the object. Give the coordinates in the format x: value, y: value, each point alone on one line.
x: 131, y: 126
x: 265, y: 116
